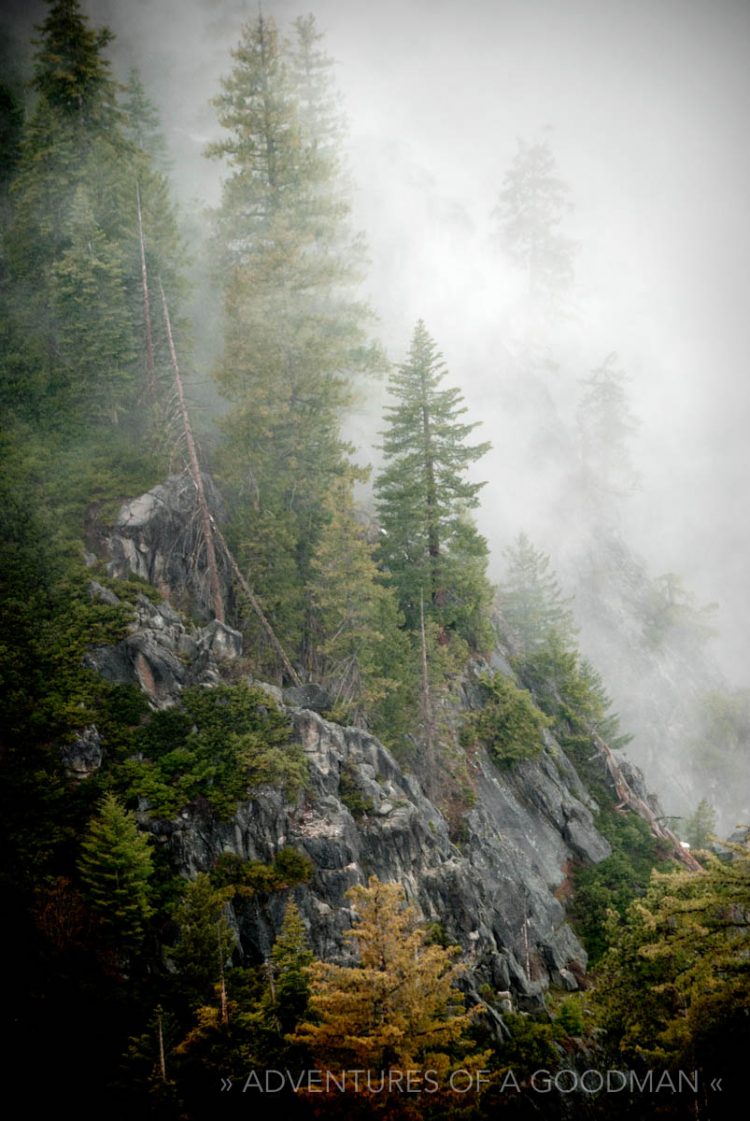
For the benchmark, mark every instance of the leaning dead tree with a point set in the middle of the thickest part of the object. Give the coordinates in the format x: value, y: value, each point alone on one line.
x: 207, y: 522
x: 260, y: 613
x: 210, y: 532
x: 628, y: 797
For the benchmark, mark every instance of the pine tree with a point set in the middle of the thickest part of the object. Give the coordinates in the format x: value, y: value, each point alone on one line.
x: 74, y: 122
x: 205, y: 939
x: 294, y: 334
x: 674, y: 987
x: 72, y: 243
x: 606, y: 425
x: 423, y: 495
x: 94, y: 330
x: 701, y: 825
x: 360, y: 651
x: 142, y: 124
x: 70, y: 71
x: 399, y: 1007
x: 290, y: 958
x: 532, y: 205
x: 115, y: 867
x: 530, y: 600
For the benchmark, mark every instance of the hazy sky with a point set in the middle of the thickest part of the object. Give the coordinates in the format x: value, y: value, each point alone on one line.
x: 644, y: 104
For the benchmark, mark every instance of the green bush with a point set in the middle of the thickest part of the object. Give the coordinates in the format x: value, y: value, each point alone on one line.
x: 290, y: 868
x: 357, y: 802
x: 222, y: 743
x: 509, y: 724
x: 615, y: 882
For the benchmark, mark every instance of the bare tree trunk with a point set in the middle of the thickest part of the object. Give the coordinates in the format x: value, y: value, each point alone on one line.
x: 150, y: 366
x: 162, y: 1057
x: 223, y: 983
x: 207, y: 522
x: 255, y: 604
x: 526, y: 947
x: 428, y: 719
x: 629, y: 798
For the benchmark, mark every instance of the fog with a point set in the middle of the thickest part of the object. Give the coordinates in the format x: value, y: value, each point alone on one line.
x: 643, y: 104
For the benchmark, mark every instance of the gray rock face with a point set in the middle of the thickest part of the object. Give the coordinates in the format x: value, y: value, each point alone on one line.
x: 495, y: 894
x: 498, y: 893
x: 163, y: 656
x: 156, y: 536
x: 83, y: 757
x: 310, y: 696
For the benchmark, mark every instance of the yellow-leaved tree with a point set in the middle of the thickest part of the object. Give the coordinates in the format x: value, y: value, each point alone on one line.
x: 393, y: 1029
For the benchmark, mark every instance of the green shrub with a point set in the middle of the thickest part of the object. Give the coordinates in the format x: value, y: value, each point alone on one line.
x: 222, y: 743
x: 290, y: 868
x: 509, y: 724
x: 357, y: 803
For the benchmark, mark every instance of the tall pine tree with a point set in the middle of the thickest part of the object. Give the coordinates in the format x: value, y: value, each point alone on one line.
x: 431, y: 550
x: 294, y: 332
x: 116, y: 868
x: 532, y: 206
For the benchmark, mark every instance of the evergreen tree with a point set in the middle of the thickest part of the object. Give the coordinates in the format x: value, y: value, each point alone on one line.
x: 65, y: 142
x: 399, y: 1007
x: 142, y: 124
x: 360, y: 651
x: 674, y: 987
x: 294, y: 335
x: 72, y: 243
x: 530, y: 600
x: 606, y: 424
x: 701, y: 825
x: 423, y: 496
x: 205, y: 939
x: 532, y: 205
x: 94, y: 330
x: 115, y: 867
x: 673, y: 614
x: 290, y: 958
x: 70, y: 71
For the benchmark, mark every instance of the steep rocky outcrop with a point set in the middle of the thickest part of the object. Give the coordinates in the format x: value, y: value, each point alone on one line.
x: 157, y: 537
x: 498, y: 892
x: 495, y: 893
x: 162, y: 654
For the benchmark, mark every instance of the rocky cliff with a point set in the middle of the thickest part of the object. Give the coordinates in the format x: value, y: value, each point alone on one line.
x: 498, y: 892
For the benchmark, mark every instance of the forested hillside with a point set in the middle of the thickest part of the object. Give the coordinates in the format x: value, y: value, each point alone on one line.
x: 310, y: 797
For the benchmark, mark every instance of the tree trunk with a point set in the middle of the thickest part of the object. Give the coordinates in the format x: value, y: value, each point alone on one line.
x: 207, y: 522
x: 149, y: 338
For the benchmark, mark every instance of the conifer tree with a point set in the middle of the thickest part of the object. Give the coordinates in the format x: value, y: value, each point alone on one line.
x: 290, y: 958
x: 701, y: 824
x: 72, y: 240
x: 294, y: 333
x: 606, y: 425
x: 360, y: 651
x: 205, y: 939
x: 533, y: 203
x: 423, y: 495
x: 532, y: 607
x: 95, y: 333
x: 116, y: 867
x: 399, y: 1007
x: 142, y: 124
x: 674, y: 987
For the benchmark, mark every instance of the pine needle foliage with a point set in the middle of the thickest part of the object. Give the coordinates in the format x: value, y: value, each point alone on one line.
x: 430, y: 549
